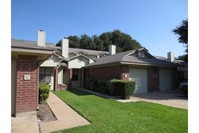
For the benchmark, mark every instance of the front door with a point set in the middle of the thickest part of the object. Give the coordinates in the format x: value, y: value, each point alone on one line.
x: 153, y: 77
x: 76, y: 78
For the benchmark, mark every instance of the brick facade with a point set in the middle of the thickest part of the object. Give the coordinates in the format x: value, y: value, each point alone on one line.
x: 125, y: 72
x: 26, y: 89
x: 55, y: 78
x: 108, y: 72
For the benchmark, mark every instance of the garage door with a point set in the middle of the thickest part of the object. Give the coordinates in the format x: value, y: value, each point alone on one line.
x: 140, y: 77
x: 165, y: 79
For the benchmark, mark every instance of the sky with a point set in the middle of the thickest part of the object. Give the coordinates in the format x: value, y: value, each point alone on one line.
x: 150, y: 22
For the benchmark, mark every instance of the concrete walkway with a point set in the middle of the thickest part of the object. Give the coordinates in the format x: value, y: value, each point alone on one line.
x: 25, y: 123
x: 66, y: 116
x: 165, y: 98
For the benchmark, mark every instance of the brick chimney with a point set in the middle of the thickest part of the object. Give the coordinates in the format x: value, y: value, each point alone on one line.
x: 41, y: 38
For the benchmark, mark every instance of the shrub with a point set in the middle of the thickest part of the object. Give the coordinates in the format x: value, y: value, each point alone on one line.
x: 44, y: 91
x: 123, y: 88
x: 104, y: 86
x: 90, y: 84
x: 185, y: 91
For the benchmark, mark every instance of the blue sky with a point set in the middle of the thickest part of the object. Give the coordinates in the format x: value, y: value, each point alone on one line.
x: 150, y: 22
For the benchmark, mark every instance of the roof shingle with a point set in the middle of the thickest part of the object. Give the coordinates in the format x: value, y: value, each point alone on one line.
x: 129, y: 57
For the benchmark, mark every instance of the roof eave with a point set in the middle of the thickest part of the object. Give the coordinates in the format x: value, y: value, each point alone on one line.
x: 147, y: 64
x: 39, y: 51
x: 103, y: 64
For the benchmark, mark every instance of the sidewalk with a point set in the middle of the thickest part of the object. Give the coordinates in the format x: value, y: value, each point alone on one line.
x: 25, y: 123
x: 66, y: 116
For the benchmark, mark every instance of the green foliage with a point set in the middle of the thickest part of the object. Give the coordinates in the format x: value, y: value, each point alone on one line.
x: 110, y: 116
x: 91, y: 84
x: 98, y: 42
x: 123, y: 41
x: 185, y: 91
x: 182, y: 32
x: 44, y: 91
x: 86, y: 42
x: 74, y: 41
x: 106, y: 40
x: 104, y: 86
x: 183, y: 57
x: 123, y: 88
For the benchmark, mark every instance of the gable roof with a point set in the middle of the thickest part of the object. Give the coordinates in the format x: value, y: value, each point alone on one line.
x: 50, y: 46
x: 87, y: 51
x: 129, y: 57
x: 27, y: 45
x: 71, y: 58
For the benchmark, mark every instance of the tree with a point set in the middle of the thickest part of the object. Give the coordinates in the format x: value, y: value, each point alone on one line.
x: 86, y: 42
x: 106, y: 39
x: 122, y: 41
x: 98, y: 42
x: 58, y: 43
x: 74, y: 41
x: 182, y: 32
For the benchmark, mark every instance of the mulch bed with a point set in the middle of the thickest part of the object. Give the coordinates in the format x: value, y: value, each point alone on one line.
x: 44, y: 113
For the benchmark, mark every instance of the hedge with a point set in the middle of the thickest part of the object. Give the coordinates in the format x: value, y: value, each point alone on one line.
x: 44, y: 91
x: 105, y: 86
x: 121, y: 88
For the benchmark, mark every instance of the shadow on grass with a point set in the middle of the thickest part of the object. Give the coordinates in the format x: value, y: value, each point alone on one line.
x: 81, y: 91
x: 78, y: 92
x: 149, y: 96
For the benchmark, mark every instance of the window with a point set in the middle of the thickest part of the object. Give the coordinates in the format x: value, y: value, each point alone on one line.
x: 45, y: 74
x: 141, y: 54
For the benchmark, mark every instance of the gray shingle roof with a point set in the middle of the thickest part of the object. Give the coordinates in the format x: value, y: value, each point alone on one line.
x: 87, y: 51
x: 129, y: 57
x: 33, y: 45
x: 28, y: 45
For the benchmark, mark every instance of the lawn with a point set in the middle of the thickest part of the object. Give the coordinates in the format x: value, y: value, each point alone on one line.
x: 109, y: 116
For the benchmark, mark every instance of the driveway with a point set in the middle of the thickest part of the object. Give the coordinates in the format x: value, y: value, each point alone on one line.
x: 166, y: 98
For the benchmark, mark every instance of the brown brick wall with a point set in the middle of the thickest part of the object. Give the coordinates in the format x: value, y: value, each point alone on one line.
x: 108, y: 72
x: 125, y: 72
x: 26, y: 90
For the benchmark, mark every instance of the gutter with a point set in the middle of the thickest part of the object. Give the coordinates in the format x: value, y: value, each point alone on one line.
x: 148, y: 64
x: 38, y: 51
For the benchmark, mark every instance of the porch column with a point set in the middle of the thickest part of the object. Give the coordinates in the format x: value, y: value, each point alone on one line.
x: 70, y: 76
x: 55, y: 78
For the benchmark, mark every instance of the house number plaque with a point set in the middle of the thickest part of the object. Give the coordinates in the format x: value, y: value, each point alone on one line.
x: 26, y: 77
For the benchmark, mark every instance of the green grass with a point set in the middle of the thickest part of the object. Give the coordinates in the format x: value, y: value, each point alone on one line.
x: 109, y: 116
